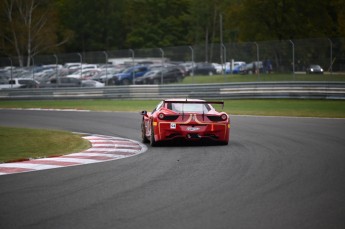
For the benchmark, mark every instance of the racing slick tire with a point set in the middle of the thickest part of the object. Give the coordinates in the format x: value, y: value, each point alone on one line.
x: 224, y: 143
x: 143, y: 136
x: 152, y: 138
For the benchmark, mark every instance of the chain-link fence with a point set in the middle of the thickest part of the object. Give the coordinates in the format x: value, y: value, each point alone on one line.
x: 285, y: 56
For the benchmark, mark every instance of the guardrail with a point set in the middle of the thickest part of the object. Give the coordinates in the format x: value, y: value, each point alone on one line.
x: 253, y: 90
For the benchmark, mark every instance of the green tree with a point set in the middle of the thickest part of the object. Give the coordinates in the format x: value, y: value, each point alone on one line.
x: 96, y: 24
x: 205, y: 19
x: 283, y: 19
x: 338, y: 7
x: 28, y: 28
x: 156, y: 23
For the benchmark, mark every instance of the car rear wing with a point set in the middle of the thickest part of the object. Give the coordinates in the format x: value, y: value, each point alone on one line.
x: 192, y: 101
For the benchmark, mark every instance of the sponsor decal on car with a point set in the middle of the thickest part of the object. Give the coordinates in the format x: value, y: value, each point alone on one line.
x: 191, y: 128
x: 172, y: 125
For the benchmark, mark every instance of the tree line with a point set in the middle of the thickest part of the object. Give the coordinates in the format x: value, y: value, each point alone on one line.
x: 31, y: 27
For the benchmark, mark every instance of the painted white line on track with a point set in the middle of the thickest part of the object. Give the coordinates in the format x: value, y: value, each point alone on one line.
x: 124, y: 151
x: 75, y: 160
x: 108, y: 150
x: 91, y: 155
x: 28, y: 165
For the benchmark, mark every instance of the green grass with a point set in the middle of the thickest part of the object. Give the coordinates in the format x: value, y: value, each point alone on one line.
x: 261, y: 78
x: 94, y: 105
x: 278, y: 107
x: 22, y: 143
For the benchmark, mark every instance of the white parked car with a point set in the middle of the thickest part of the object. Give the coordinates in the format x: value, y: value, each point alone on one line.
x: 20, y: 83
x: 219, y: 68
x: 233, y: 67
x: 91, y: 83
x: 85, y: 74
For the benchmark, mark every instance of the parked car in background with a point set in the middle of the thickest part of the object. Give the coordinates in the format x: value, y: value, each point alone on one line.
x: 234, y: 68
x: 203, y: 69
x: 219, y: 68
x: 169, y: 74
x: 168, y: 65
x: 72, y: 67
x: 251, y: 68
x: 237, y: 68
x: 314, y: 69
x: 85, y: 74
x: 126, y: 76
x: 3, y: 79
x: 107, y: 74
x: 91, y: 83
x: 26, y: 83
x: 63, y: 82
x: 20, y: 83
x: 187, y: 67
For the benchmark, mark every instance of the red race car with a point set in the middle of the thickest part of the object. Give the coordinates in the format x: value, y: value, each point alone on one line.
x: 186, y: 119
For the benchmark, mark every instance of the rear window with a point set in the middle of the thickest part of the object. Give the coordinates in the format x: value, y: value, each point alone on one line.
x: 189, y: 107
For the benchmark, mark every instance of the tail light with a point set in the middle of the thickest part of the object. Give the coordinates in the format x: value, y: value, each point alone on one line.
x: 224, y: 117
x: 161, y: 116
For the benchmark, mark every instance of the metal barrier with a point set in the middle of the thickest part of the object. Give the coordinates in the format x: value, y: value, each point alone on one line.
x: 258, y: 90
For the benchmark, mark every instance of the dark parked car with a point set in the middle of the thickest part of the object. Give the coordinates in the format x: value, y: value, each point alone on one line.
x: 169, y: 75
x: 3, y: 79
x: 126, y: 76
x: 107, y: 74
x: 314, y: 69
x: 63, y: 82
x: 203, y: 69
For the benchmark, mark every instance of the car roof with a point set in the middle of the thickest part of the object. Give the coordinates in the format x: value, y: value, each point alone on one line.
x: 189, y: 100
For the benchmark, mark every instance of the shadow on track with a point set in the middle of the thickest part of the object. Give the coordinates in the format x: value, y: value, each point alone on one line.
x: 186, y: 143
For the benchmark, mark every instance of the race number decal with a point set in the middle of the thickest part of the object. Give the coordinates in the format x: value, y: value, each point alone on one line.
x: 172, y: 125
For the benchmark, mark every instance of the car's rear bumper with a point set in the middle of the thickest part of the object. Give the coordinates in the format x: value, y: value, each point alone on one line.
x: 211, y: 131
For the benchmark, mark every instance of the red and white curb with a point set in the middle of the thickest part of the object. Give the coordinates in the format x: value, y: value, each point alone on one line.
x: 104, y: 148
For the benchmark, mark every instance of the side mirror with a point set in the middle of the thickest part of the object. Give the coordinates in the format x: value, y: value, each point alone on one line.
x: 144, y: 113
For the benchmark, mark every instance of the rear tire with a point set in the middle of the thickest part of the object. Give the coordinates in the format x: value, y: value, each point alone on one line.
x: 111, y: 82
x: 223, y: 143
x: 143, y: 133
x: 125, y: 82
x: 152, y: 138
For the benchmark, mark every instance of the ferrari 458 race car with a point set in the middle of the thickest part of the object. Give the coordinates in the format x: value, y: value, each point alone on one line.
x: 185, y: 119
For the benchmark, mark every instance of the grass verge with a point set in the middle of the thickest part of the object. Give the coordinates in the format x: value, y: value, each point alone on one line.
x: 22, y: 143
x: 261, y: 78
x: 269, y: 107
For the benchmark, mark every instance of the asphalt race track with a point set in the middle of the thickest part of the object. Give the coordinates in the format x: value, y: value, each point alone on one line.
x: 275, y: 173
